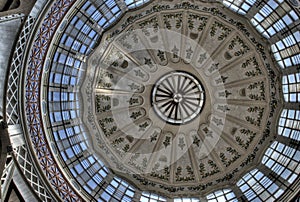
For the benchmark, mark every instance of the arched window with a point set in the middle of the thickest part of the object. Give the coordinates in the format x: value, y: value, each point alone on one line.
x: 222, y: 195
x: 151, y: 197
x: 89, y: 172
x: 289, y: 124
x: 291, y: 87
x: 257, y: 187
x: 102, y: 12
x: 283, y: 160
x: 287, y: 50
x: 274, y: 16
x: 239, y: 6
x: 135, y: 3
x: 118, y: 190
x: 186, y: 200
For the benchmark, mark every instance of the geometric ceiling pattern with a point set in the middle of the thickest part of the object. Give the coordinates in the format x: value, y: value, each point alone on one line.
x: 141, y: 100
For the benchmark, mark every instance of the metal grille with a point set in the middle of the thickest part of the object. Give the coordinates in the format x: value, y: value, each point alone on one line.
x: 28, y: 170
x: 12, y: 106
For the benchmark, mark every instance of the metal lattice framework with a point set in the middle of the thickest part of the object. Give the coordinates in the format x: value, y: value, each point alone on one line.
x: 27, y: 168
x: 7, y: 175
x: 34, y: 120
x: 14, y: 75
x: 12, y: 105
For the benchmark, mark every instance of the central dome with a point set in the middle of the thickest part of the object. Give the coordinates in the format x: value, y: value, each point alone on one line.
x: 178, y: 97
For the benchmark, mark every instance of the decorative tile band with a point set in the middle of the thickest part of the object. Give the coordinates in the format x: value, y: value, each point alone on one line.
x: 32, y: 102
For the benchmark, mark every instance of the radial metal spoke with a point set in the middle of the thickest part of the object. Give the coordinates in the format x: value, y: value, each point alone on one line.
x: 188, y: 106
x: 198, y: 92
x: 176, y: 111
x: 167, y: 103
x: 168, y: 107
x: 170, y: 85
x: 161, y: 90
x: 178, y: 85
x: 172, y: 110
x: 183, y: 83
x: 187, y: 86
x: 163, y: 100
x: 185, y: 110
x: 174, y: 82
x: 167, y: 88
x: 190, y: 89
x: 160, y: 95
x: 191, y: 103
x: 192, y: 98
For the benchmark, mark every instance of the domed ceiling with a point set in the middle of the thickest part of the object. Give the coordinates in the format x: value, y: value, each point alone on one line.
x: 179, y: 98
x: 172, y: 98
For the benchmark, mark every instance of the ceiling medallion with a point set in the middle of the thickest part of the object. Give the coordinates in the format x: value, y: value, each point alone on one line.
x: 178, y: 97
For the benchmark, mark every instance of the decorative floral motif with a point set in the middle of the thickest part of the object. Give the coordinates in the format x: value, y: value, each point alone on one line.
x: 200, y: 20
x: 166, y: 173
x: 154, y: 137
x: 220, y: 30
x: 173, y: 19
x: 150, y: 23
x: 235, y: 155
x: 213, y: 67
x: 135, y: 115
x: 196, y: 141
x: 202, y: 58
x: 242, y: 47
x: 143, y: 126
x: 252, y: 73
x: 161, y: 55
x: 208, y: 172
x: 260, y: 85
x: 259, y: 111
x: 167, y: 141
x: 118, y: 141
x: 250, y: 134
x: 189, y: 177
x: 181, y: 143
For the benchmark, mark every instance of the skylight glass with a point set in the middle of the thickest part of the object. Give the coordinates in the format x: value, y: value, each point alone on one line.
x: 118, y: 190
x: 287, y: 50
x: 283, y: 160
x: 221, y: 196
x: 151, y: 197
x: 239, y: 6
x: 135, y: 3
x: 273, y: 17
x: 289, y: 124
x: 258, y: 187
x: 291, y: 87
